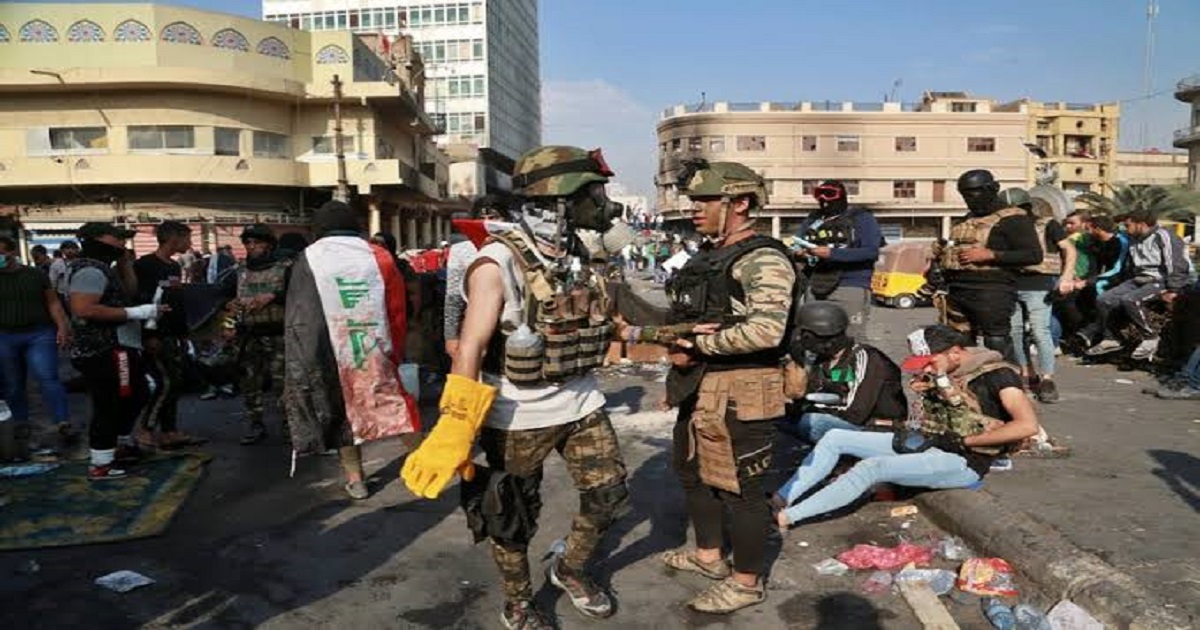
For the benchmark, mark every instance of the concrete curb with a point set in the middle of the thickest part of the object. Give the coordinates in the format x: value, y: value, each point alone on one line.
x: 1050, y: 561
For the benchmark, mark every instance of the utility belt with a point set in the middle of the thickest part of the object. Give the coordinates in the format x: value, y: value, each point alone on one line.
x: 755, y: 394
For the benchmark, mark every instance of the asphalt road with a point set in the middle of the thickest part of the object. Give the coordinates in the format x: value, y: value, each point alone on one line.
x: 253, y: 548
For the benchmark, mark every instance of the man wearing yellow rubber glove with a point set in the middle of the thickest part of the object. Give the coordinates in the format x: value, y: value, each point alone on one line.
x: 536, y: 325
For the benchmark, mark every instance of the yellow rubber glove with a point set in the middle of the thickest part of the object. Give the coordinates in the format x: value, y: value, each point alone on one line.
x: 447, y: 450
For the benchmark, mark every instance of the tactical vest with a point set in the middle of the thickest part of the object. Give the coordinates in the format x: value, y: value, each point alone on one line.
x: 966, y: 419
x: 838, y: 232
x: 92, y: 338
x: 704, y: 290
x: 973, y: 232
x: 573, y: 323
x: 266, y: 281
x: 1051, y: 264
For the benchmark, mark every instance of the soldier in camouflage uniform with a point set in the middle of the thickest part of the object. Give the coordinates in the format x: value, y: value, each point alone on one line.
x: 261, y: 288
x: 727, y: 380
x: 533, y: 330
x: 972, y: 409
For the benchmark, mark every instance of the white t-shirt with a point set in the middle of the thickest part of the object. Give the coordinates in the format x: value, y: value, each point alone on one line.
x: 520, y: 408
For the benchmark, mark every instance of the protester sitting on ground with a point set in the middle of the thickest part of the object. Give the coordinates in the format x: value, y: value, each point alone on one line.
x: 33, y: 326
x: 1158, y: 269
x: 850, y: 385
x: 974, y: 408
x: 1183, y: 335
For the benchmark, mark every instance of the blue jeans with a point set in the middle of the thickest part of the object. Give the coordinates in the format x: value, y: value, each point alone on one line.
x: 1034, y: 307
x: 933, y: 468
x: 32, y: 352
x: 1192, y: 370
x: 814, y: 425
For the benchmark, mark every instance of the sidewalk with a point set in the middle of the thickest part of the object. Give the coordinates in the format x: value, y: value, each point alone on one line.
x: 1129, y: 493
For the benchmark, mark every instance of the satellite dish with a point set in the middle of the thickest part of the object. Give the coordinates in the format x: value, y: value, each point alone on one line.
x: 1053, y: 197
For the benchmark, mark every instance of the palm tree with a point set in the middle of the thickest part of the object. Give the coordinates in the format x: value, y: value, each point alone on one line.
x: 1175, y: 203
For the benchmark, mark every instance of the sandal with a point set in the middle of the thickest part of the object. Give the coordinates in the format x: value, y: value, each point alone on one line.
x: 682, y: 560
x: 727, y: 596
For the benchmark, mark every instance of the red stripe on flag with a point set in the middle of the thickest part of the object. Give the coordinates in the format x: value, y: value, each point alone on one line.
x: 395, y: 296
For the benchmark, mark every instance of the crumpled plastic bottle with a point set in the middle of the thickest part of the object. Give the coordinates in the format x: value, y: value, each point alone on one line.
x: 1030, y: 618
x: 940, y: 581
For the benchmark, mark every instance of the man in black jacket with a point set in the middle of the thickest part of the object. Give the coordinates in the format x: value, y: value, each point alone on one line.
x: 850, y: 385
x: 981, y: 260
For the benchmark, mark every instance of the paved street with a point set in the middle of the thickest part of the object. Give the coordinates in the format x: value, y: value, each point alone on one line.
x: 254, y: 548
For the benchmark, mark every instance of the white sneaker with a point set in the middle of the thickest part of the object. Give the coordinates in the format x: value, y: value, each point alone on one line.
x: 1104, y: 347
x: 1145, y: 350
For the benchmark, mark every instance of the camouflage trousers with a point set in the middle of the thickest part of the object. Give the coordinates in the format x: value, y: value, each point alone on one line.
x: 593, y: 457
x: 261, y: 357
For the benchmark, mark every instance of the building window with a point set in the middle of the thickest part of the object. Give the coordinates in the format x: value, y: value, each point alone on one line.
x: 272, y: 145
x: 981, y: 145
x: 904, y: 189
x: 963, y: 108
x: 808, y: 144
x: 847, y: 144
x: 227, y: 141
x: 808, y: 186
x: 449, y: 50
x: 851, y: 187
x: 323, y: 145
x: 1043, y: 125
x: 78, y: 138
x: 465, y: 123
x: 152, y: 137
x: 716, y: 145
x: 906, y: 144
x: 695, y: 145
x: 677, y: 146
x: 752, y: 143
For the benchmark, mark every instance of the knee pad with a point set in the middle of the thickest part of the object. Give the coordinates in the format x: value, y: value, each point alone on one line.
x: 606, y: 504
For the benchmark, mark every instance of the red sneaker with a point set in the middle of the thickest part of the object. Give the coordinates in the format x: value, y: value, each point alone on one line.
x: 101, y: 473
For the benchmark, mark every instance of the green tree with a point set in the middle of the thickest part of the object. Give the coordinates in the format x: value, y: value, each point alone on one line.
x: 1177, y: 203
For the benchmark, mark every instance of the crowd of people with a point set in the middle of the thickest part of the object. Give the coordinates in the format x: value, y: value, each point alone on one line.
x: 762, y: 337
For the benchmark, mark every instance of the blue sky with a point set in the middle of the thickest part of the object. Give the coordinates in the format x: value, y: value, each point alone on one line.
x: 609, y: 68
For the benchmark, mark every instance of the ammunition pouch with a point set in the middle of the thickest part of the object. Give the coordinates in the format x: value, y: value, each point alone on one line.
x: 502, y: 506
x: 973, y: 232
x: 795, y: 381
x: 605, y: 504
x: 755, y: 394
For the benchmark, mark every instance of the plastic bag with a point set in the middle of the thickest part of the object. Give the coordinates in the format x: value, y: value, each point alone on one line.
x: 987, y: 576
x: 953, y: 548
x: 873, y: 557
x: 123, y: 581
x: 829, y: 566
x: 877, y: 583
x: 940, y: 581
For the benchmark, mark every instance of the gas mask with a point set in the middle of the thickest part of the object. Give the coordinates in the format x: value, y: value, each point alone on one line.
x: 591, y: 209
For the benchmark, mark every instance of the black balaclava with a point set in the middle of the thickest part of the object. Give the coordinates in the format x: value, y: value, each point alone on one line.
x: 101, y: 251
x: 831, y: 207
x: 980, y: 191
x: 335, y: 218
x: 824, y: 347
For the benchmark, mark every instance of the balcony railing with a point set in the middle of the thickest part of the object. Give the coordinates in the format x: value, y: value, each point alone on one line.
x: 1187, y: 135
x: 1190, y: 83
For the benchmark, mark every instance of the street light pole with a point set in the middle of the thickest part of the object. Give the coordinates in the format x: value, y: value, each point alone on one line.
x: 343, y: 185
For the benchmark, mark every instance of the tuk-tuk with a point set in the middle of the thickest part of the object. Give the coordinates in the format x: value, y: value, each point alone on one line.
x: 899, y: 273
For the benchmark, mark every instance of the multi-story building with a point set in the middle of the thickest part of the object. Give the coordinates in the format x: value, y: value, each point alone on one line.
x: 1188, y: 138
x: 1152, y: 168
x: 137, y: 113
x: 899, y: 160
x: 482, y: 71
x: 1079, y: 139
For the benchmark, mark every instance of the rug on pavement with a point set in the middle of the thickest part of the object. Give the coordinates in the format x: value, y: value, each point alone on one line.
x: 61, y: 507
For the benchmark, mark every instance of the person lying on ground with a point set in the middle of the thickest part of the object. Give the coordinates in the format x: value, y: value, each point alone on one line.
x: 974, y: 409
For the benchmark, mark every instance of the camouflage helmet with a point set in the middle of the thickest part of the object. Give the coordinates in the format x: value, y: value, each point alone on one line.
x: 1016, y: 198
x: 701, y: 178
x: 558, y: 171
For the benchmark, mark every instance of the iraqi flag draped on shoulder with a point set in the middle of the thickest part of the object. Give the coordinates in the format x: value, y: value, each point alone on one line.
x: 362, y: 296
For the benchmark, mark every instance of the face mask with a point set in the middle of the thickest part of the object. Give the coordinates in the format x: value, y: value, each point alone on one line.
x: 980, y: 201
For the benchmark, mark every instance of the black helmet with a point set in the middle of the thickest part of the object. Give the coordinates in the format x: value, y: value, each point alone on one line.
x: 259, y: 232
x: 822, y: 318
x: 977, y: 178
